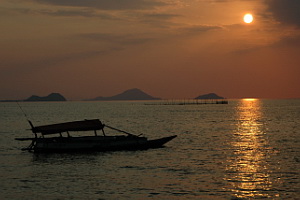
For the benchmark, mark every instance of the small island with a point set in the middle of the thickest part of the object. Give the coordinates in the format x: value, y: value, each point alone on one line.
x: 128, y: 95
x: 209, y: 96
x: 50, y: 97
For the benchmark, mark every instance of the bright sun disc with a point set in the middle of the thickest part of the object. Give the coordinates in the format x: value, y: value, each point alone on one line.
x: 248, y: 18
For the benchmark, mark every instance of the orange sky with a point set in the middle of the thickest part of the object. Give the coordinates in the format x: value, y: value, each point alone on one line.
x: 169, y: 49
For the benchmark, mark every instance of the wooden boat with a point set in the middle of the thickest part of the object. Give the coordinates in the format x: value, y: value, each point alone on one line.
x: 64, y: 142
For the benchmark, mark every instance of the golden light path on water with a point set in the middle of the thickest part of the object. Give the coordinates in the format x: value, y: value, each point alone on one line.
x: 248, y: 171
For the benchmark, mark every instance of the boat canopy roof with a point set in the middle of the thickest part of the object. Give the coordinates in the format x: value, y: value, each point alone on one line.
x: 85, y: 125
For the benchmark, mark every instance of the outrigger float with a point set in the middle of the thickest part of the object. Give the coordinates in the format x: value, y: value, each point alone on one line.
x: 43, y: 143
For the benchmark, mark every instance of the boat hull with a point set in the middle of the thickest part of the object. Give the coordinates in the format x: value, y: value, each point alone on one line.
x: 96, y: 143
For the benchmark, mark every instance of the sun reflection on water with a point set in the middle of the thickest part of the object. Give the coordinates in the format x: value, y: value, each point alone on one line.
x: 248, y: 173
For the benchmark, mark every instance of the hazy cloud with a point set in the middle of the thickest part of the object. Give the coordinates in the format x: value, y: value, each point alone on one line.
x: 106, y: 4
x: 85, y: 12
x: 162, y: 20
x: 69, y: 13
x: 117, y: 39
x: 293, y: 41
x: 199, y: 29
x: 160, y: 16
x: 285, y: 11
x: 31, y: 66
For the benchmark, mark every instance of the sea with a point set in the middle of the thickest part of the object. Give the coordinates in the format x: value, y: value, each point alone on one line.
x: 246, y: 149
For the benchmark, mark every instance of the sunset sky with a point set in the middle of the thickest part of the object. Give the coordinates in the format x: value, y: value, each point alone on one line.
x: 169, y: 49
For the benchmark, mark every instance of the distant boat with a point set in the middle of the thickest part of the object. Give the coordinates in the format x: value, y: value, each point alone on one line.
x: 67, y: 143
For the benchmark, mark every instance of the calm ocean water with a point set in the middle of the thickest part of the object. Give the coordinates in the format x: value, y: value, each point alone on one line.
x: 248, y: 149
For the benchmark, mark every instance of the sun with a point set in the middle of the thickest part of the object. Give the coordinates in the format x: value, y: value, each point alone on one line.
x: 248, y: 18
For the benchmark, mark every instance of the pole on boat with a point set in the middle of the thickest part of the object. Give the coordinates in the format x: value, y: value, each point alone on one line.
x: 25, y: 115
x: 22, y: 111
x: 103, y: 132
x: 30, y: 123
x: 122, y: 131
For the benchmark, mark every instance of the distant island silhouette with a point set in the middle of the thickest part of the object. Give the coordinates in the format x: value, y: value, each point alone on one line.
x: 50, y: 97
x: 132, y: 94
x: 209, y: 96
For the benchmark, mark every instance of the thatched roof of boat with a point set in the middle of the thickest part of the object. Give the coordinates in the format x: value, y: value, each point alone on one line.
x: 85, y: 125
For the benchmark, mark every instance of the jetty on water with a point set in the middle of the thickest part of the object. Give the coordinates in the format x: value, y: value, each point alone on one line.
x: 189, y: 102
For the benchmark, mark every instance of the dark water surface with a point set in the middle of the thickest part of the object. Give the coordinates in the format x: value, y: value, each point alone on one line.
x: 248, y: 149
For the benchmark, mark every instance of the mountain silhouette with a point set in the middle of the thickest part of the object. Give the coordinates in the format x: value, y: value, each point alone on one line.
x: 209, y: 96
x: 50, y: 97
x: 132, y: 94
